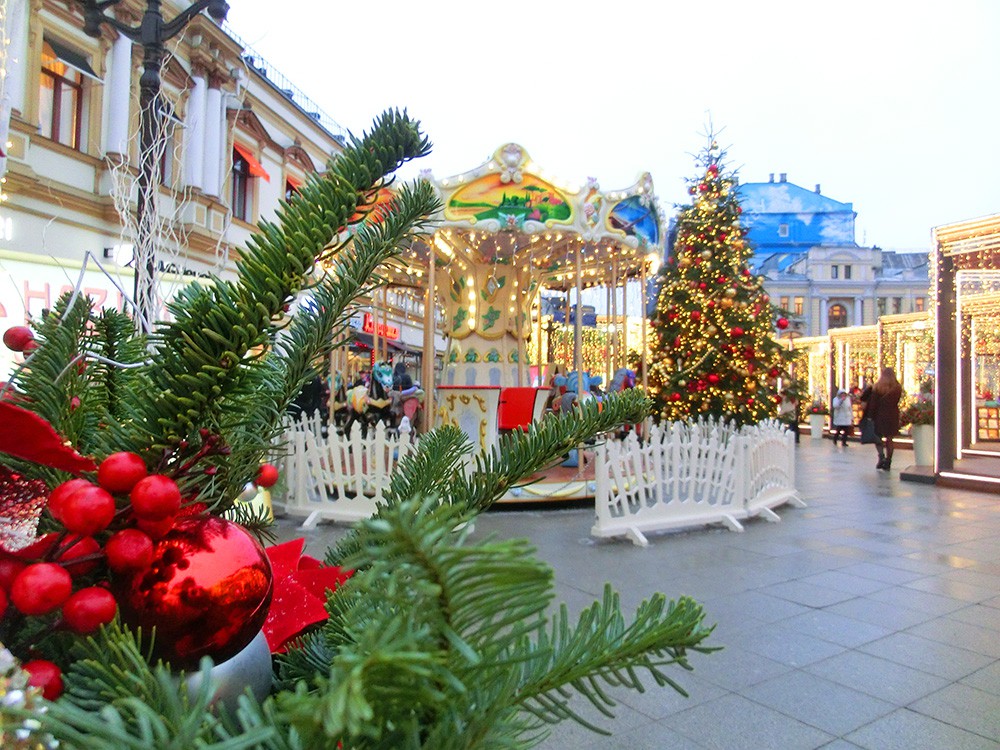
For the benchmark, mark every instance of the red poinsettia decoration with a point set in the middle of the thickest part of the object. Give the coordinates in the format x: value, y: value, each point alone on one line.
x: 300, y: 586
x: 26, y: 435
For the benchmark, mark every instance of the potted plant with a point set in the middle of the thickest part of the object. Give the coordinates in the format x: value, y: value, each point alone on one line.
x: 818, y: 413
x: 919, y: 414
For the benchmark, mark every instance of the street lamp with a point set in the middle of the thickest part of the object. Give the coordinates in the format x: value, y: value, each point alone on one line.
x: 152, y: 33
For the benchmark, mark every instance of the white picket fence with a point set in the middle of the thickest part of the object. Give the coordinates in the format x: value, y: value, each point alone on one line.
x: 690, y: 474
x: 336, y: 478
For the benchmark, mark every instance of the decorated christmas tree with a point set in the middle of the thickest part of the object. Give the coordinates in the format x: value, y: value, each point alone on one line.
x: 712, y: 351
x: 126, y: 559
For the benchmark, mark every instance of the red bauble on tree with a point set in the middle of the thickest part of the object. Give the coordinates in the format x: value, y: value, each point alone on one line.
x: 267, y: 476
x: 782, y: 323
x: 206, y: 591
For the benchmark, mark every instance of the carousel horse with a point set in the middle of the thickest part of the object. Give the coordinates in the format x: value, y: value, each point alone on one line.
x: 339, y: 406
x: 370, y: 404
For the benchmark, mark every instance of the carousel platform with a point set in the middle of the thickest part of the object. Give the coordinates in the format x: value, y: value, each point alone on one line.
x: 556, y: 485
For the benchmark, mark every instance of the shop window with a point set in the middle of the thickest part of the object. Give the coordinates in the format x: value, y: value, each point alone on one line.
x: 837, y: 317
x: 847, y: 272
x: 880, y: 306
x: 897, y: 305
x: 62, y: 104
x: 834, y: 272
x: 918, y: 304
x: 799, y: 302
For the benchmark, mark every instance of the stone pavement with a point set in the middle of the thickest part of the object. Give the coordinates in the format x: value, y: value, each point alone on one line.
x: 870, y: 619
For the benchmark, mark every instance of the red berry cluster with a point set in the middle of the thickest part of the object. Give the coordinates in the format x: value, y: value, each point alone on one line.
x: 39, y: 580
x: 19, y: 339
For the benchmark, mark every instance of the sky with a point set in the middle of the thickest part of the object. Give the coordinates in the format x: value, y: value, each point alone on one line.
x: 890, y: 105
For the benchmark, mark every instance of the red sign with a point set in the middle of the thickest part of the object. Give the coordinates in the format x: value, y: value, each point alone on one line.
x: 382, y: 330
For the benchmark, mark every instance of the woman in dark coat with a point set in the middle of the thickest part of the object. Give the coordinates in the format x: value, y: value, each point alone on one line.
x: 883, y: 409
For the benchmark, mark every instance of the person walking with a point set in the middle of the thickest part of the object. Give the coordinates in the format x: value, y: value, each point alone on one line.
x: 843, y: 416
x: 883, y: 409
x: 788, y: 412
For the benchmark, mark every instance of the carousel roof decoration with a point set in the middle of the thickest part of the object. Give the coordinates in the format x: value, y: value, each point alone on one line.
x: 509, y: 212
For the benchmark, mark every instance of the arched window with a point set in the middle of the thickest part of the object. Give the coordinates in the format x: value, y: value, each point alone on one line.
x: 837, y: 317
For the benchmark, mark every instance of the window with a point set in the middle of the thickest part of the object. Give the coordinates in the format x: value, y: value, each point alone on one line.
x: 847, y: 272
x: 784, y: 303
x: 241, y: 186
x: 918, y: 304
x: 837, y: 317
x: 834, y: 272
x: 782, y: 230
x: 897, y: 305
x: 169, y: 127
x: 880, y: 305
x: 797, y: 309
x: 61, y: 100
x: 291, y: 188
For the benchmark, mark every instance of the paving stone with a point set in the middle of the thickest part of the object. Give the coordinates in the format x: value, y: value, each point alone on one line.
x: 907, y: 730
x: 878, y: 677
x: 963, y: 706
x: 942, y: 659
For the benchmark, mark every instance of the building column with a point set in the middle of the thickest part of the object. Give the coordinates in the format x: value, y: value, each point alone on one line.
x: 212, y: 165
x: 194, y: 124
x: 119, y: 90
x: 15, y: 28
x: 824, y: 315
x: 859, y: 319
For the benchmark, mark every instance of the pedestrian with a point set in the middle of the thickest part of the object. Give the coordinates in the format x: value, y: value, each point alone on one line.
x: 883, y: 409
x: 843, y: 416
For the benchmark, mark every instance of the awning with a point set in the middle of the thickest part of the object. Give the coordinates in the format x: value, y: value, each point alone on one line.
x: 256, y: 170
x: 73, y: 59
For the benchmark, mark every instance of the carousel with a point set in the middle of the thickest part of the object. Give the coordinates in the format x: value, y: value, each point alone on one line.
x: 506, y: 275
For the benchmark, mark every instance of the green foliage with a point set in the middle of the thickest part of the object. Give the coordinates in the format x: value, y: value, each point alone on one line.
x: 712, y: 349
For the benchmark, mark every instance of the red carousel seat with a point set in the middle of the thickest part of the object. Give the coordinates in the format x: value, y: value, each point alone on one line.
x: 516, y: 408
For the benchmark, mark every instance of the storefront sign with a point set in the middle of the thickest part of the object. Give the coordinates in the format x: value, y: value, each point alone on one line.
x: 382, y: 330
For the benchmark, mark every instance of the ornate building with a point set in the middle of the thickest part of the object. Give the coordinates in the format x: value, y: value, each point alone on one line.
x: 813, y: 267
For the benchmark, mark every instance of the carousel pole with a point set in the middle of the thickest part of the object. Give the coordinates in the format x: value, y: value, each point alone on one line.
x: 578, y: 331
x: 541, y: 380
x: 522, y: 350
x: 430, y: 346
x: 624, y: 323
x: 642, y: 313
x: 612, y: 329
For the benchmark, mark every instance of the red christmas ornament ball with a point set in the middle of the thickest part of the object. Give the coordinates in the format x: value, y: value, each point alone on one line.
x: 120, y: 472
x: 675, y: 396
x: 88, y: 510
x: 155, y: 497
x: 712, y: 378
x: 267, y: 476
x: 782, y: 323
x: 46, y: 676
x: 696, y: 315
x: 774, y: 372
x: 207, y: 591
x: 41, y: 588
x: 129, y: 549
x: 60, y: 493
x: 735, y: 331
x: 87, y: 609
x: 18, y: 338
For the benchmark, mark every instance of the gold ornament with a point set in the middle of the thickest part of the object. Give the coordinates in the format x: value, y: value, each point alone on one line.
x: 731, y: 292
x: 682, y: 383
x: 751, y: 386
x: 684, y: 262
x: 706, y: 254
x: 726, y: 303
x: 728, y: 396
x: 712, y: 330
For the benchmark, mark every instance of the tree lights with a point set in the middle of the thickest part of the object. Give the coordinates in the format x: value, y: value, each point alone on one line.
x: 712, y: 350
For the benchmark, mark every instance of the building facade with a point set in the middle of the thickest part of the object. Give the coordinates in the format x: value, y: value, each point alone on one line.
x: 804, y: 246
x: 237, y: 139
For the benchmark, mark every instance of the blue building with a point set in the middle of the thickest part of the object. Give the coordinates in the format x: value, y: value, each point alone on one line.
x: 804, y: 246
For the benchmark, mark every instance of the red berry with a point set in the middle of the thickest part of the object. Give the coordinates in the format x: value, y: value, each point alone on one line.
x: 267, y: 476
x: 9, y: 568
x: 155, y: 497
x: 119, y: 472
x: 17, y: 338
x: 77, y: 547
x: 129, y: 549
x: 156, y: 528
x: 46, y: 676
x: 88, y: 609
x: 60, y: 493
x: 41, y: 588
x: 88, y: 510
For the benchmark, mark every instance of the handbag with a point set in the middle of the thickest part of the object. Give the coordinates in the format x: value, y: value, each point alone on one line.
x: 868, y: 431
